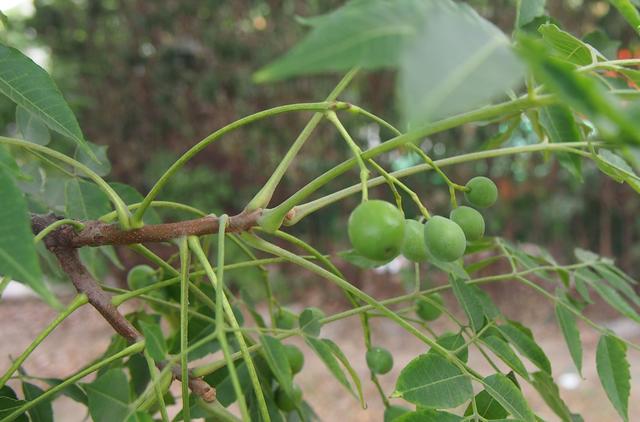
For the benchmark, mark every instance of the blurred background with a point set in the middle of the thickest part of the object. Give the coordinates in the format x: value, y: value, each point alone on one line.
x: 147, y: 79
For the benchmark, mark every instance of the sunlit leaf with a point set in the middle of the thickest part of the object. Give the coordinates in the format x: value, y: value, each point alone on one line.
x: 505, y: 392
x: 523, y: 341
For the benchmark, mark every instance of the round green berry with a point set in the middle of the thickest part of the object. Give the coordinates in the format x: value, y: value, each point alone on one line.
x: 376, y: 230
x: 427, y: 309
x: 470, y: 220
x: 141, y: 276
x: 295, y: 358
x: 287, y: 402
x: 285, y: 319
x: 413, y: 247
x: 444, y: 239
x: 481, y: 192
x: 379, y: 360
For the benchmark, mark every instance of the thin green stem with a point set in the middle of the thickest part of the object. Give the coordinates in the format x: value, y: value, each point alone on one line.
x: 118, y: 203
x: 194, y: 150
x: 53, y: 226
x: 155, y: 380
x: 184, y: 325
x: 130, y: 350
x: 4, y: 282
x: 263, y: 197
x: 76, y: 303
x: 379, y: 120
x: 394, y: 180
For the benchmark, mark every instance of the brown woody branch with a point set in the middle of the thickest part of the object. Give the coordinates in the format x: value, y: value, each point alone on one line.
x: 61, y: 243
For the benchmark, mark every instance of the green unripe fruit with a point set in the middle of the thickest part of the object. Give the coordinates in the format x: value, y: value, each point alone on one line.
x: 482, y: 192
x: 427, y: 310
x: 285, y: 319
x: 295, y: 358
x: 470, y: 221
x: 444, y: 239
x: 379, y: 360
x: 413, y: 246
x: 288, y: 403
x: 141, y: 276
x: 376, y: 230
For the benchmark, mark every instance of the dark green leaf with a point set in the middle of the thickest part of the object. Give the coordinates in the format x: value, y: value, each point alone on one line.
x: 109, y: 396
x: 29, y: 86
x: 18, y: 257
x: 487, y: 407
x: 32, y: 128
x: 549, y: 392
x: 431, y: 381
x: 567, y: 322
x: 42, y: 412
x: 154, y: 340
x: 528, y: 10
x: 85, y: 201
x: 617, y: 282
x: 503, y: 390
x: 526, y: 345
x: 502, y: 350
x: 73, y: 391
x: 613, y: 370
x: 560, y: 125
x: 9, y: 405
x: 96, y: 159
x: 470, y: 303
x: 8, y: 164
x: 453, y: 342
x: 601, y: 41
x: 609, y: 295
x: 324, y: 352
x: 309, y: 321
x: 352, y: 372
x: 428, y: 415
x: 276, y: 357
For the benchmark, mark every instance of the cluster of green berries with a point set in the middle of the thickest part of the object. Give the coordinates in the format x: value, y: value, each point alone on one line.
x: 379, y: 231
x: 287, y: 320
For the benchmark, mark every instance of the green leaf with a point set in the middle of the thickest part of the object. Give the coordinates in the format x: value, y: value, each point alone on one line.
x: 309, y: 321
x: 528, y: 10
x: 470, y: 303
x: 29, y: 86
x: 560, y: 126
x: 8, y: 164
x: 276, y: 357
x: 568, y: 47
x: 487, y: 406
x: 324, y: 352
x: 453, y: 342
x: 352, y: 372
x: 502, y: 350
x: 73, y: 391
x: 354, y: 258
x: 526, y: 345
x: 32, y: 128
x: 458, y: 61
x: 431, y: 381
x: 567, y: 322
x: 617, y: 282
x: 154, y: 340
x: 109, y: 396
x: 96, y: 158
x: 629, y: 11
x: 9, y: 405
x: 613, y: 370
x: 428, y: 415
x: 18, y: 257
x: 42, y: 412
x: 365, y: 33
x: 609, y: 295
x: 131, y: 196
x: 509, y: 396
x: 549, y: 392
x: 85, y: 201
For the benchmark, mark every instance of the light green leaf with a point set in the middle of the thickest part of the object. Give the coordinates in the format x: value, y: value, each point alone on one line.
x: 502, y: 350
x: 619, y: 283
x: 352, y: 372
x: 324, y: 352
x: 428, y: 415
x: 32, y: 128
x: 523, y: 341
x: 549, y: 392
x: 309, y: 321
x: 453, y: 342
x: 8, y: 164
x: 560, y: 125
x: 109, y: 396
x: 154, y: 340
x: 568, y: 47
x: 528, y: 10
x: 18, y: 257
x: 613, y: 370
x: 84, y: 200
x: 457, y: 62
x: 276, y: 357
x: 469, y: 302
x: 567, y: 322
x: 96, y: 158
x: 629, y: 11
x: 43, y: 411
x: 365, y: 33
x: 431, y: 381
x: 509, y: 396
x: 29, y: 86
x: 609, y: 295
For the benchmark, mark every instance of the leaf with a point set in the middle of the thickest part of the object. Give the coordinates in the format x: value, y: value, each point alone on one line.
x: 458, y: 61
x: 502, y: 350
x: 352, y: 372
x: 431, y: 381
x: 31, y: 127
x: 509, y: 396
x: 42, y: 412
x: 629, y: 11
x: 609, y: 295
x: 9, y: 405
x: 96, y: 158
x: 154, y: 340
x: 469, y: 302
x: 309, y: 321
x: 549, y: 392
x: 73, y: 391
x: 18, y: 257
x: 324, y: 352
x: 560, y: 126
x: 567, y: 322
x: 428, y: 415
x: 365, y: 33
x: 29, y: 86
x: 487, y: 406
x: 526, y: 345
x: 84, y: 200
x: 568, y: 47
x: 131, y: 196
x: 617, y: 282
x: 613, y: 370
x: 358, y: 260
x: 528, y: 10
x: 109, y: 396
x: 8, y: 164
x: 276, y: 357
x: 453, y: 342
